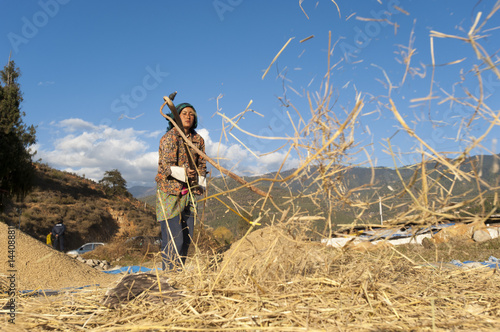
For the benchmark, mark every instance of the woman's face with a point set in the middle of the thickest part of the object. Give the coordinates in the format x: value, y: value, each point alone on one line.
x: 187, y: 117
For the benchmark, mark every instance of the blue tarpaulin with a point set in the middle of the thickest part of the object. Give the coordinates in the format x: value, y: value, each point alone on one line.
x: 492, y: 262
x: 130, y: 269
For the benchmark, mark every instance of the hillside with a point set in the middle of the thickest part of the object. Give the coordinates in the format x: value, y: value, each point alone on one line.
x: 362, y: 189
x: 141, y: 191
x: 88, y: 213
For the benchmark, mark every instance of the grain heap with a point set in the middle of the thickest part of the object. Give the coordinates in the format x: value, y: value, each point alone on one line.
x: 38, y: 266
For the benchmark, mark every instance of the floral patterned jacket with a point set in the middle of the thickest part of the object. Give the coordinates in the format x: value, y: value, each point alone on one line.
x: 172, y: 152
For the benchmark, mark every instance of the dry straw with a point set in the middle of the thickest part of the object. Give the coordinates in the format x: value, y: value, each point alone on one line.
x: 276, y: 279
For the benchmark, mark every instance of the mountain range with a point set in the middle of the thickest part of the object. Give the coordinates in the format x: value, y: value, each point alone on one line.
x: 361, y: 193
x: 355, y: 194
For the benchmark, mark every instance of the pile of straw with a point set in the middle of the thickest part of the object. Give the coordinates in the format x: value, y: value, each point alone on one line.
x: 269, y: 286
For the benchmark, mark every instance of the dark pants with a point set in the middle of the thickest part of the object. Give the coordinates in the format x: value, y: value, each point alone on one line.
x: 58, y: 242
x: 181, y: 229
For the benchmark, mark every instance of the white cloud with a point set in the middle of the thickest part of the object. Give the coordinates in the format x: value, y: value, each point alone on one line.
x: 155, y: 134
x: 240, y: 160
x: 46, y: 83
x: 73, y: 124
x: 90, y: 150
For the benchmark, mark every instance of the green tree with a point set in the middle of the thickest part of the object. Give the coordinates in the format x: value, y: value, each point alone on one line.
x: 16, y: 138
x: 115, y: 183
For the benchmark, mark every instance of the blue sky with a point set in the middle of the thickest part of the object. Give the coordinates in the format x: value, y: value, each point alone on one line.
x: 94, y: 74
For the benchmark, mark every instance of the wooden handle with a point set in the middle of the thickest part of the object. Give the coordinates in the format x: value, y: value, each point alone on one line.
x: 177, y: 118
x: 170, y: 104
x: 201, y: 153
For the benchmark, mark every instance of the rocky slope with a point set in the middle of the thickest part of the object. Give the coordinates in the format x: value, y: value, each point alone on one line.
x: 82, y: 204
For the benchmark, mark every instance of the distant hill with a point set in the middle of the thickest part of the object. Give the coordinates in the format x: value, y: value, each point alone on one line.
x: 141, y: 191
x: 360, y: 183
x: 89, y: 214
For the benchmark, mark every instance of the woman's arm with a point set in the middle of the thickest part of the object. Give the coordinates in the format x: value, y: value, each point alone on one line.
x: 167, y: 155
x: 202, y: 163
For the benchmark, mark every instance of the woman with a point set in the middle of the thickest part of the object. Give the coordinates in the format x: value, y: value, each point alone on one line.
x: 177, y: 184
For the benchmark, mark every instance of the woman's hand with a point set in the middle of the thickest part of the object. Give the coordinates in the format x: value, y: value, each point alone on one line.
x: 191, y: 173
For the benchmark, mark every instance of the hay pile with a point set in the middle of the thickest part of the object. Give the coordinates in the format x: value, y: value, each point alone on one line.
x: 274, y: 253
x: 39, y: 266
x: 263, y: 283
